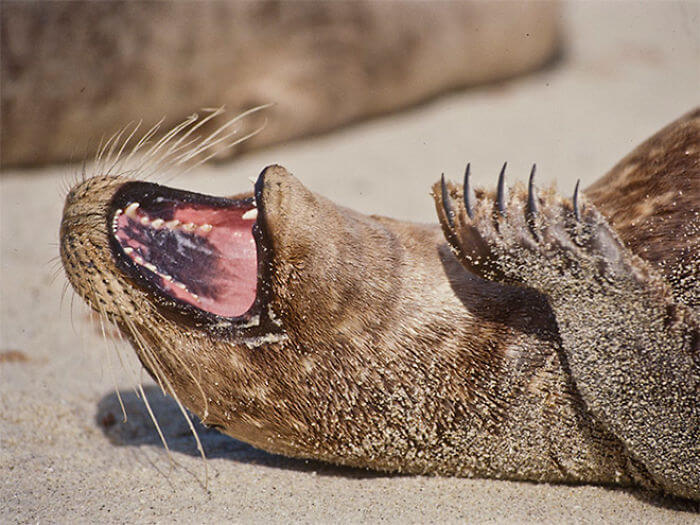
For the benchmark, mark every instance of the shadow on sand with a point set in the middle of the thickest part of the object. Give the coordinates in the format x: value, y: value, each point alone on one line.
x: 140, y: 430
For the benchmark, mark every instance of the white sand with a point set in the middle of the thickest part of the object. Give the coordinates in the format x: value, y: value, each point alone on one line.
x: 628, y: 70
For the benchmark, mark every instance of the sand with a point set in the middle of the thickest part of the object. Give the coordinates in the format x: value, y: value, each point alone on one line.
x: 66, y: 456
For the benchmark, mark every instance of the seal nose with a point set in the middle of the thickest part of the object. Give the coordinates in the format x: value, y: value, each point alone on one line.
x: 86, y: 207
x: 84, y: 238
x: 91, y: 195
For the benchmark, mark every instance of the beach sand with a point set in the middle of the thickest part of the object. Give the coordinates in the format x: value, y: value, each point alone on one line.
x: 67, y: 457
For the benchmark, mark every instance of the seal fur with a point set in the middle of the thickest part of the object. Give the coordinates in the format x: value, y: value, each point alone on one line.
x: 369, y: 344
x: 324, y: 64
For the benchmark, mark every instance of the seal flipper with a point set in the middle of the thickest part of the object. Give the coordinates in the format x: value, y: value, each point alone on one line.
x: 631, y: 349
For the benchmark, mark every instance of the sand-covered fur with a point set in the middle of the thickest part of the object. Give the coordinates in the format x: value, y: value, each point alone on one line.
x: 370, y: 345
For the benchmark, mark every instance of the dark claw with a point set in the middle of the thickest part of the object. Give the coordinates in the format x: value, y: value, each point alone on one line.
x: 531, y: 196
x: 468, y: 193
x: 501, y: 195
x: 577, y: 213
x: 447, y: 202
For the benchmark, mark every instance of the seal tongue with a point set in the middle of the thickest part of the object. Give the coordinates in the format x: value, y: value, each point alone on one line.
x: 205, y: 256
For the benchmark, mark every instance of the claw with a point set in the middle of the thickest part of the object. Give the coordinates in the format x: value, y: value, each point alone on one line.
x: 531, y: 194
x: 501, y: 195
x: 577, y: 213
x: 532, y: 211
x: 468, y: 194
x: 447, y: 202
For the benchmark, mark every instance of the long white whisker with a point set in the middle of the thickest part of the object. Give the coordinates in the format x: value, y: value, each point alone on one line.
x: 155, y: 421
x: 195, y: 127
x: 118, y: 157
x: 115, y: 141
x: 144, y: 140
x: 230, y: 145
x: 103, y: 316
x: 162, y: 378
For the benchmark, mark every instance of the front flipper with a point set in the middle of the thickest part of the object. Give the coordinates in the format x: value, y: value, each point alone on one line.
x: 632, y: 352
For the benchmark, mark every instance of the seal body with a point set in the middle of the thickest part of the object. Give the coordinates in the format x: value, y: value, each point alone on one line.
x: 371, y: 342
x: 323, y: 64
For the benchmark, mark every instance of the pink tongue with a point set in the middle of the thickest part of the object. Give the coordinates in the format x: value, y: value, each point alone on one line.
x: 211, y: 259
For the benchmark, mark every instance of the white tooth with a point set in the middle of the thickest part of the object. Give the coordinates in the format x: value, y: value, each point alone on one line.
x: 151, y: 267
x: 145, y: 220
x: 138, y: 259
x: 172, y: 224
x: 206, y: 228
x: 181, y: 285
x: 157, y: 223
x: 166, y: 277
x: 128, y: 249
x: 131, y: 209
x: 250, y: 214
x: 190, y: 226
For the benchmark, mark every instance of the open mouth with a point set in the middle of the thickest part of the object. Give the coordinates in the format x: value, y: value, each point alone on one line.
x: 194, y: 249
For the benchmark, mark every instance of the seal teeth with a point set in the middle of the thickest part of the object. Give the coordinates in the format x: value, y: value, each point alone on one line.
x: 145, y: 220
x: 251, y: 214
x: 157, y: 224
x: 128, y: 250
x: 206, y: 228
x: 131, y: 210
x: 189, y: 227
x: 151, y: 267
x: 115, y: 220
x: 171, y: 225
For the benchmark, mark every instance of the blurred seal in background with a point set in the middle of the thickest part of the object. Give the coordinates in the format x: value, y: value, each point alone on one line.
x: 73, y: 72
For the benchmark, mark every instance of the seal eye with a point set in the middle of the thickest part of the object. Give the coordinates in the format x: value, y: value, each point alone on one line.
x: 204, y: 255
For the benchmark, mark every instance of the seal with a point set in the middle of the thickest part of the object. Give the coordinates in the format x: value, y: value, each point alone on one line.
x: 324, y: 64
x: 526, y: 337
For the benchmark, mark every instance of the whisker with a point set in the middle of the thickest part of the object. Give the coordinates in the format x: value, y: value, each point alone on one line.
x: 103, y: 317
x: 126, y: 141
x: 115, y: 141
x: 162, y: 378
x: 155, y: 421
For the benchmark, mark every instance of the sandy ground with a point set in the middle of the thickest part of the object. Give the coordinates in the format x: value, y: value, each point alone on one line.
x: 66, y: 456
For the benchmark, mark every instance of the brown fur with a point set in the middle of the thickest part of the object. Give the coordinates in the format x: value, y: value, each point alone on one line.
x: 74, y: 71
x: 379, y: 351
x: 652, y: 200
x: 626, y: 311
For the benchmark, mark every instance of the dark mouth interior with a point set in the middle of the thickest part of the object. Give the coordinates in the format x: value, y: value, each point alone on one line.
x: 196, y: 252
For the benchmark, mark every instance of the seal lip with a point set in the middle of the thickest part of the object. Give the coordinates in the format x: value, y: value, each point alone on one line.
x: 256, y: 320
